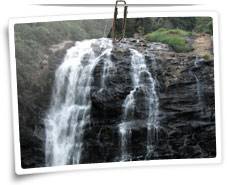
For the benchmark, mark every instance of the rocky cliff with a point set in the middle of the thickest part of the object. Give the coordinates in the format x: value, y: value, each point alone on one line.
x: 186, y: 106
x: 185, y: 88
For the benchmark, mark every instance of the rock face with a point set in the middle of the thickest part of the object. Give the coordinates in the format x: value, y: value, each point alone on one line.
x: 185, y: 88
x: 186, y: 106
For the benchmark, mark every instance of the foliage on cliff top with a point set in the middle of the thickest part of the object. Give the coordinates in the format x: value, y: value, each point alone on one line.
x: 32, y: 41
x: 175, y: 38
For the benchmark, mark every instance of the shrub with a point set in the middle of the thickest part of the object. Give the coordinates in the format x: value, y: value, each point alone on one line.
x: 204, y: 25
x: 175, y: 38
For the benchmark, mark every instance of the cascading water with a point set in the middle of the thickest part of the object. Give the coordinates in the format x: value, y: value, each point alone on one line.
x: 106, y: 67
x: 139, y: 68
x: 70, y: 105
x: 199, y: 85
x: 153, y: 122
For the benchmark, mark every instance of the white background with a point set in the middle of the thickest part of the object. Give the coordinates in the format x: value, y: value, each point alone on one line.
x: 178, y: 174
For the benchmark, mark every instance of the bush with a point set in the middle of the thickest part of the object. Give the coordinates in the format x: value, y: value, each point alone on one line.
x: 204, y: 25
x: 175, y: 38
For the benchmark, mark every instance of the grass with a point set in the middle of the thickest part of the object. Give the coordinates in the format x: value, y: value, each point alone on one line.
x: 175, y: 38
x: 208, y: 56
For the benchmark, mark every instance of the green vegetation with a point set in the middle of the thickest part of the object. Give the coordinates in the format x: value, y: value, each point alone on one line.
x: 208, y: 56
x: 32, y: 41
x: 147, y: 24
x: 174, y: 31
x: 175, y: 38
x: 204, y: 25
x: 39, y: 36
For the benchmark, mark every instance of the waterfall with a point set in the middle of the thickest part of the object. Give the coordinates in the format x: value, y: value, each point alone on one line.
x: 141, y: 78
x: 199, y: 85
x: 70, y: 104
x: 153, y: 122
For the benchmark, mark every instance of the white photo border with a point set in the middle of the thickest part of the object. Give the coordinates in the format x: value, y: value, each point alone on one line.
x: 20, y: 171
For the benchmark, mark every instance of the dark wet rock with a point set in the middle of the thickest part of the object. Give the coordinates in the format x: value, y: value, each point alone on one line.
x: 107, y: 101
x: 187, y: 124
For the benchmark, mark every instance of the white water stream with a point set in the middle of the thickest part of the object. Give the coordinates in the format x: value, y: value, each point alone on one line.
x: 70, y: 106
x: 139, y: 81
